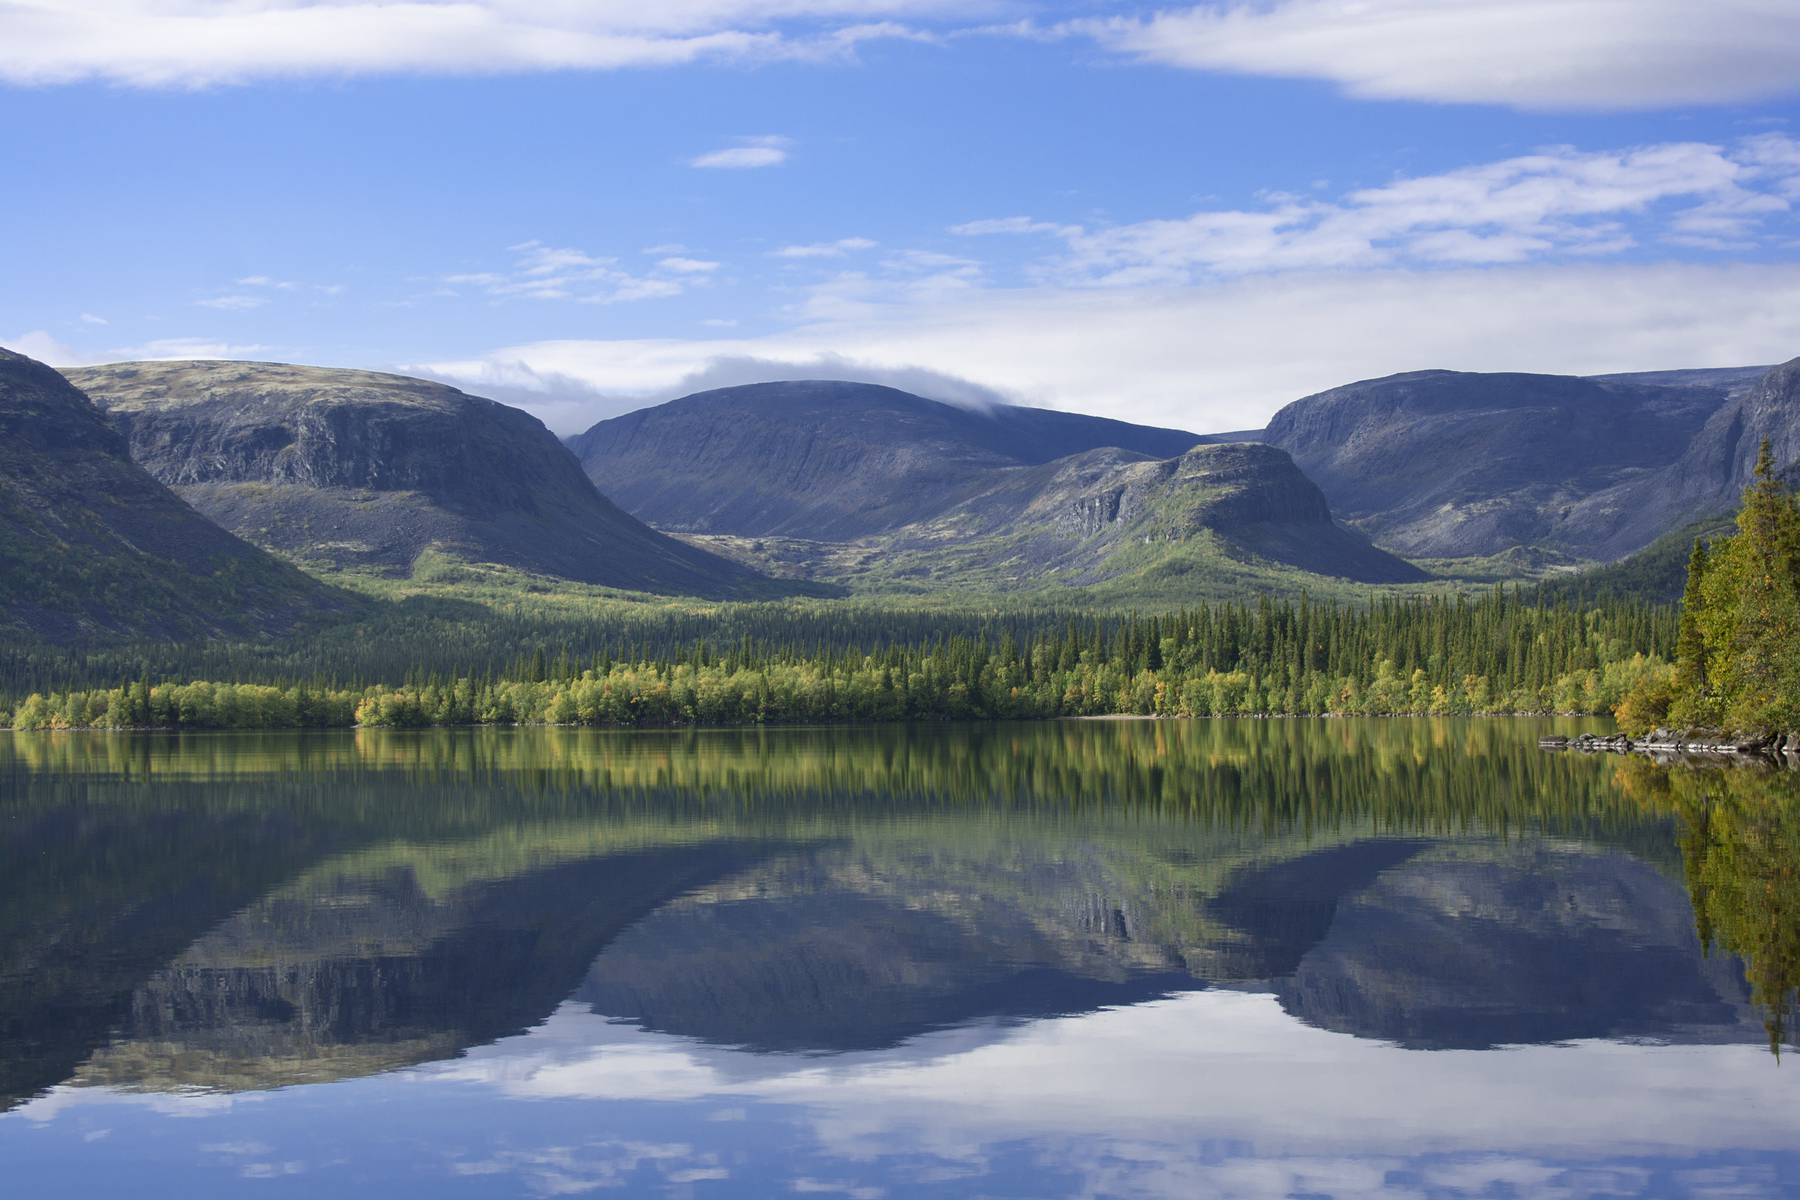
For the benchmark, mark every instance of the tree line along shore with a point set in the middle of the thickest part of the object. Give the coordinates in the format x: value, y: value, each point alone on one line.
x: 1504, y: 652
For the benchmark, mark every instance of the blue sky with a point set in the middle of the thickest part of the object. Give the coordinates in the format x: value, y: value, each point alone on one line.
x: 1188, y: 218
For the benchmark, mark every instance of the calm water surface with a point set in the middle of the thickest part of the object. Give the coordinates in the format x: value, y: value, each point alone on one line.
x: 1260, y: 959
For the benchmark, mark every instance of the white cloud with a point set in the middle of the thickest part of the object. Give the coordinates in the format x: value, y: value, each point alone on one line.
x: 39, y: 344
x: 181, y: 348
x: 768, y: 150
x: 1011, y: 225
x: 1224, y: 355
x: 837, y: 249
x: 570, y: 403
x: 88, y: 318
x: 160, y: 43
x: 1535, y: 54
x: 233, y: 302
x: 544, y: 272
x: 1556, y: 202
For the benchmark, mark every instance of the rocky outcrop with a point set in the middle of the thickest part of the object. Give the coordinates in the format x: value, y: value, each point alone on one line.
x: 93, y: 548
x: 1778, y: 747
x: 1109, y: 516
x: 360, y: 469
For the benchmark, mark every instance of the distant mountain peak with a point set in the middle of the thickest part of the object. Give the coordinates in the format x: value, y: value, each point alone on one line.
x: 828, y: 459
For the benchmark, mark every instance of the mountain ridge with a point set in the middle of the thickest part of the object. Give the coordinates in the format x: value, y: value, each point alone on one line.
x: 348, y: 468
x: 827, y: 459
x: 1453, y: 464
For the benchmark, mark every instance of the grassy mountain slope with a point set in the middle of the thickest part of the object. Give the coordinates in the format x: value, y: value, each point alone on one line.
x: 1218, y: 521
x: 343, y: 468
x: 92, y: 548
x: 1112, y: 517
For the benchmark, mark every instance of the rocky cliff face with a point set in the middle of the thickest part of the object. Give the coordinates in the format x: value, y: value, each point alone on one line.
x: 357, y: 468
x: 1710, y: 476
x: 91, y: 546
x: 1111, y: 517
x: 1447, y: 463
x: 828, y: 460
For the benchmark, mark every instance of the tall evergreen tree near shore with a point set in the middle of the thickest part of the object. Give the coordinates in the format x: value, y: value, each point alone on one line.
x: 1737, y: 657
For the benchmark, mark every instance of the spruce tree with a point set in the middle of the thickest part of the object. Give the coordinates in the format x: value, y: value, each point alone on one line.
x: 1692, y: 695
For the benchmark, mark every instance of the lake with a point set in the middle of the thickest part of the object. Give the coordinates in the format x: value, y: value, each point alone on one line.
x: 1345, y: 958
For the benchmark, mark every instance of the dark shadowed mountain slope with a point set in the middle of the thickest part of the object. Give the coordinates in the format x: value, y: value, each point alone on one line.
x: 1447, y: 463
x: 1709, y: 478
x: 1125, y: 520
x: 828, y: 460
x: 92, y: 547
x: 357, y: 468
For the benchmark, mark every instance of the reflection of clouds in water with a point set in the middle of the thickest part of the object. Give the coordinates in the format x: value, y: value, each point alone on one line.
x: 593, y: 1165
x: 272, y: 1170
x: 1228, y: 1066
x: 807, y: 1186
x: 59, y: 1100
x: 1207, y: 1094
x: 264, y: 1168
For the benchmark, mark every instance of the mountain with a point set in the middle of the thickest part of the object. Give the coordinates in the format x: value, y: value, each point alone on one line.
x: 871, y: 486
x: 1709, y: 478
x: 348, y: 468
x: 1456, y: 464
x: 1135, y: 523
x: 92, y: 547
x: 828, y: 460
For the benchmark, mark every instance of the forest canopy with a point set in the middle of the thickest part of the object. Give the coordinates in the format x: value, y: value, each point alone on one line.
x: 1500, y: 653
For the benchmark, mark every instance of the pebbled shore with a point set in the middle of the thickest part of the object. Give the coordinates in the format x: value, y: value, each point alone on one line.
x: 1777, y: 747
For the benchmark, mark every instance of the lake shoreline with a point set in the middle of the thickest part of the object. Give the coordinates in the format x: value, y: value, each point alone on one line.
x: 648, y: 726
x: 1781, y: 748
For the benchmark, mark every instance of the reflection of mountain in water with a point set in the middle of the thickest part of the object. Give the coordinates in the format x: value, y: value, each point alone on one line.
x: 89, y: 907
x: 306, y: 988
x: 256, y: 931
x: 1434, y: 945
x: 824, y: 953
x: 1518, y: 944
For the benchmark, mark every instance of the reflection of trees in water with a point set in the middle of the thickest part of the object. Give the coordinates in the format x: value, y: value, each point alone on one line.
x: 1407, y: 775
x: 1740, y: 847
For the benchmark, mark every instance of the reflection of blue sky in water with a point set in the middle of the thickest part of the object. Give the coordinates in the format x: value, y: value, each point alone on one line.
x: 1210, y: 1093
